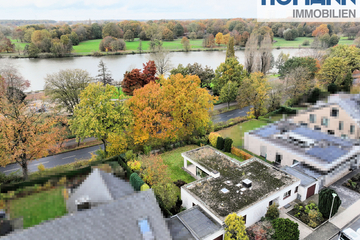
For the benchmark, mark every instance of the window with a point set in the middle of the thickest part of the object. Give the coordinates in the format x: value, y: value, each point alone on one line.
x: 325, y: 121
x: 287, y: 194
x: 278, y: 158
x: 145, y: 229
x: 271, y: 202
x: 303, y: 124
x: 83, y: 206
x: 341, y: 125
x: 331, y: 132
x: 200, y: 173
x: 352, y: 129
x: 296, y: 189
x: 344, y: 136
x: 263, y: 151
x: 244, y: 218
x: 334, y: 112
x: 317, y: 128
x: 295, y: 161
x: 312, y: 118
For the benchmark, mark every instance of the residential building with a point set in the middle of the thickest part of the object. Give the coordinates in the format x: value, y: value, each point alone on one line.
x: 311, y: 153
x: 246, y: 188
x: 339, y: 116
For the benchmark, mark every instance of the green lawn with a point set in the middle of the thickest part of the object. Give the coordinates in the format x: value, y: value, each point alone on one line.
x: 344, y: 40
x: 39, y: 207
x: 93, y: 45
x: 236, y: 134
x: 18, y: 43
x: 299, y: 40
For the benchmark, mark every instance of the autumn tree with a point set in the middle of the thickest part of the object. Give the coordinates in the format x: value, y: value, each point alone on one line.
x: 27, y: 135
x: 254, y: 92
x: 229, y: 92
x: 111, y: 29
x: 140, y: 47
x: 250, y: 53
x: 97, y: 115
x: 209, y: 41
x: 204, y: 73
x: 225, y: 39
x: 162, y: 59
x: 167, y: 34
x: 65, y: 86
x: 350, y: 54
x: 6, y: 45
x: 155, y: 172
x: 129, y: 36
x: 298, y: 82
x: 320, y: 30
x: 231, y: 70
x: 281, y: 59
x: 136, y: 79
x: 235, y: 228
x: 230, y: 52
x: 13, y: 78
x: 294, y: 62
x: 104, y: 75
x: 219, y: 38
x: 186, y: 44
x: 264, y: 55
x: 169, y: 110
x: 332, y: 68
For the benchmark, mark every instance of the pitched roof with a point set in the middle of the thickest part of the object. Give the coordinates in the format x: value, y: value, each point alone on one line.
x: 116, y: 186
x: 116, y: 220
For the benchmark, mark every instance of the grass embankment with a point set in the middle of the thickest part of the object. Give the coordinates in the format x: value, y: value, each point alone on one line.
x: 38, y: 207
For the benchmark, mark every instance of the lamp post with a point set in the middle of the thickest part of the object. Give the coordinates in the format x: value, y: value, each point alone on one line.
x: 334, y: 195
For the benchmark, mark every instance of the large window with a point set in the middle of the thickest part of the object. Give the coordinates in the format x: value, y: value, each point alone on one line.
x: 278, y: 158
x: 334, y: 112
x: 296, y: 189
x: 145, y: 229
x: 341, y: 125
x: 312, y: 118
x: 352, y: 129
x: 287, y: 194
x: 325, y: 121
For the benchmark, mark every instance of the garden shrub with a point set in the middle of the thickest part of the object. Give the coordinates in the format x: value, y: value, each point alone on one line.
x: 62, y: 181
x: 220, y: 143
x: 240, y: 153
x: 177, y: 145
x: 308, y: 214
x: 332, y: 88
x: 136, y: 181
x: 147, y: 150
x: 272, y: 212
x: 134, y: 165
x: 144, y: 187
x: 213, y: 138
x: 129, y: 155
x: 314, y: 96
x: 228, y: 144
x: 325, y: 202
x: 41, y: 167
x: 285, y: 229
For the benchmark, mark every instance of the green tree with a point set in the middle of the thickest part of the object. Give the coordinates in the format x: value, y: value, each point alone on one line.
x: 326, y: 200
x: 111, y: 29
x: 186, y: 44
x: 285, y: 229
x: 140, y: 48
x: 230, y: 52
x: 33, y: 50
x: 179, y: 30
x: 294, y: 62
x: 334, y: 70
x: 129, y: 36
x: 74, y: 38
x: 347, y: 83
x: 97, y: 115
x: 254, y: 91
x: 350, y: 54
x: 272, y: 212
x: 65, y: 86
x: 235, y: 228
x: 229, y: 92
x: 204, y: 73
x: 231, y: 70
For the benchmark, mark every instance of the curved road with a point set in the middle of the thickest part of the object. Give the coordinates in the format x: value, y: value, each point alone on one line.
x: 223, y: 117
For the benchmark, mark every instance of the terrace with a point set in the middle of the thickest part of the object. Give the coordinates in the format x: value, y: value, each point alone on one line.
x: 226, y: 189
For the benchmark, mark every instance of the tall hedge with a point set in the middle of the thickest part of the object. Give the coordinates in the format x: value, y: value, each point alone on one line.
x: 220, y: 143
x: 285, y: 229
x: 325, y: 202
x: 136, y: 181
x: 228, y: 144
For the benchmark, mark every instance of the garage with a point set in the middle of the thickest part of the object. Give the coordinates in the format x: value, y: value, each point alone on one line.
x: 311, y: 191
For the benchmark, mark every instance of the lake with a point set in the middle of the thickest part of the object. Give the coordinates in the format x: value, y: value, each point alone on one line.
x: 35, y: 70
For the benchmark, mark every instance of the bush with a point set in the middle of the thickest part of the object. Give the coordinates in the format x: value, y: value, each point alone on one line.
x: 134, y: 165
x: 213, y: 136
x: 240, y: 153
x: 285, y: 229
x: 136, y: 181
x: 314, y: 96
x: 220, y: 143
x: 306, y: 43
x: 144, y: 187
x: 332, y: 88
x: 325, y: 202
x: 147, y: 150
x: 129, y: 155
x: 62, y: 181
x: 272, y: 212
x: 305, y: 218
x: 228, y: 144
x: 41, y: 167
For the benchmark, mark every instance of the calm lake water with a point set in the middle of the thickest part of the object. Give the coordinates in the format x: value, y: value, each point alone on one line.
x: 35, y: 70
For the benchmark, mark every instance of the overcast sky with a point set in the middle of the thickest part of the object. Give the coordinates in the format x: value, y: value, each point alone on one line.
x: 129, y: 9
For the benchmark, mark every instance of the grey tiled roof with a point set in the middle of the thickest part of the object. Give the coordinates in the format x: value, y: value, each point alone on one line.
x: 115, y: 220
x: 306, y: 180
x: 117, y: 187
x: 349, y: 102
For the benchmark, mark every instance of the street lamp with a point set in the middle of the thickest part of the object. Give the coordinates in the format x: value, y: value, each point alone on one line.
x: 334, y: 195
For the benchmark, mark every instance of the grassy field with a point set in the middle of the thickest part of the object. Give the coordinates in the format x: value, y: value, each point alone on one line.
x: 39, y: 207
x: 237, y: 134
x: 93, y: 45
x: 280, y: 42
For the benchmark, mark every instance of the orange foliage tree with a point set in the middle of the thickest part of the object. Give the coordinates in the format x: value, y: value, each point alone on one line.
x: 225, y: 39
x: 26, y: 135
x: 219, y: 38
x: 170, y: 110
x: 137, y: 79
x: 320, y: 30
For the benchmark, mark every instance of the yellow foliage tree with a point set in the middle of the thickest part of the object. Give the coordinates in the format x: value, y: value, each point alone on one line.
x: 254, y: 91
x: 320, y: 30
x: 219, y: 38
x: 213, y: 136
x: 225, y: 39
x: 235, y: 228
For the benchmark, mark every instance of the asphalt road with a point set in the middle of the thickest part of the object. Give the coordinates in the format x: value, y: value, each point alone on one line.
x: 223, y: 117
x: 53, y: 161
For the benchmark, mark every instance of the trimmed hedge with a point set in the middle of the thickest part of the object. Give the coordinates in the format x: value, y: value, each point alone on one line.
x: 220, y: 143
x: 228, y: 144
x: 240, y: 153
x: 136, y: 181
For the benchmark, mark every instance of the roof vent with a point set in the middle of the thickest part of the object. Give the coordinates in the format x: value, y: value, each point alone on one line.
x: 224, y: 190
x: 228, y: 182
x: 247, y: 183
